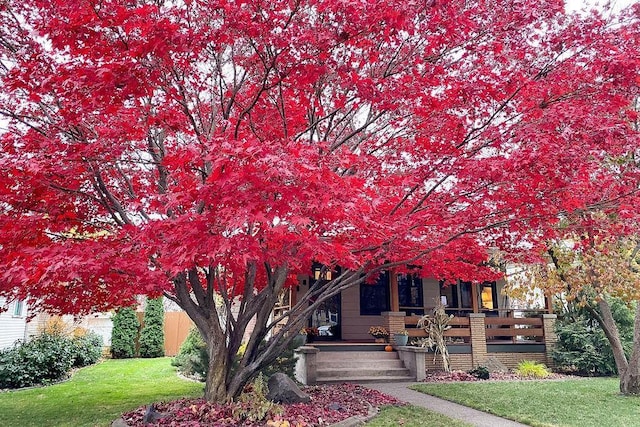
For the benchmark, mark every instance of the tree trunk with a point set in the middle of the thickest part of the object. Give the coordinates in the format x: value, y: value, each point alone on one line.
x: 630, y: 379
x: 610, y: 329
x: 215, y: 389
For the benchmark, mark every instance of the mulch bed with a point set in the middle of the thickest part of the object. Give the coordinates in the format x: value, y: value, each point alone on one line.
x: 329, y: 404
x: 462, y: 376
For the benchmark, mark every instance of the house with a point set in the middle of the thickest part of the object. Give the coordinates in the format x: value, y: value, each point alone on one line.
x: 484, y: 327
x: 13, y: 323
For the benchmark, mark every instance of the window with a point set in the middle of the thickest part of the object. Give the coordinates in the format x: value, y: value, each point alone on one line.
x: 489, y: 296
x: 18, y: 307
x: 465, y: 295
x: 374, y: 297
x: 410, y: 294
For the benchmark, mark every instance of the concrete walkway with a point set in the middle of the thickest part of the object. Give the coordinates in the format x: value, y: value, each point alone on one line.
x: 453, y: 410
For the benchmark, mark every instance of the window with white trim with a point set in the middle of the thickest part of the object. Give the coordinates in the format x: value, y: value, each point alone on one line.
x: 18, y: 308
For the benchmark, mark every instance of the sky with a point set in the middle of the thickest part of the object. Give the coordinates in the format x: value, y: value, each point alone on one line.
x: 579, y: 4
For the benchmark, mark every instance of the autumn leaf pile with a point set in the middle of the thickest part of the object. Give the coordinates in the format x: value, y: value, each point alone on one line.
x: 329, y: 404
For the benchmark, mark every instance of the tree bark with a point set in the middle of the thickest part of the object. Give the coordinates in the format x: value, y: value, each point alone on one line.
x: 630, y: 379
x: 215, y: 389
x: 610, y: 328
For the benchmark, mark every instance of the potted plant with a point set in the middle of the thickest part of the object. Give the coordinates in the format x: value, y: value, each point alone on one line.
x: 401, y: 337
x: 310, y: 332
x: 379, y: 333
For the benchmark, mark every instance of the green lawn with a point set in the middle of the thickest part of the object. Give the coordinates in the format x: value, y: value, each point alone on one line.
x: 412, y: 416
x: 96, y: 395
x: 582, y: 402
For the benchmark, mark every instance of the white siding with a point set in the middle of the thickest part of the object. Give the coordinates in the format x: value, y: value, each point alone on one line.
x: 12, y: 328
x: 101, y: 324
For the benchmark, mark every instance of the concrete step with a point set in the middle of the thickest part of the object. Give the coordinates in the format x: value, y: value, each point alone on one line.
x: 324, y: 356
x: 365, y: 379
x: 357, y: 364
x: 339, y: 372
x: 360, y: 366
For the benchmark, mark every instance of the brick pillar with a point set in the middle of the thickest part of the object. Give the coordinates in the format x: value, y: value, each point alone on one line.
x: 478, y: 339
x: 550, y: 337
x: 394, y: 322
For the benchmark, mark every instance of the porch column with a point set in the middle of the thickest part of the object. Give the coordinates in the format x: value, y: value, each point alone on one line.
x: 474, y: 297
x: 478, y: 338
x: 548, y: 303
x: 393, y: 291
x: 307, y: 364
x: 550, y: 337
x: 394, y: 322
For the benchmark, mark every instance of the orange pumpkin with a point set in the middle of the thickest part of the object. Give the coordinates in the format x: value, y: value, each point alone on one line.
x: 388, y: 348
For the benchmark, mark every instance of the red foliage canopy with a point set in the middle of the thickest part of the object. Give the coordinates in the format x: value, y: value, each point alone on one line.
x: 143, y: 138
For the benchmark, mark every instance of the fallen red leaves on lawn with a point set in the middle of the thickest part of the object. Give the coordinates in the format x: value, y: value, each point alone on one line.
x: 329, y: 404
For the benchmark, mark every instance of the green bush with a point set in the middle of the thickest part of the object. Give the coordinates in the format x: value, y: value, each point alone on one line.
x: 583, y: 348
x: 480, y: 372
x: 285, y: 362
x: 45, y: 359
x: 531, y: 369
x: 192, y: 359
x: 87, y: 349
x: 152, y: 334
x: 124, y: 333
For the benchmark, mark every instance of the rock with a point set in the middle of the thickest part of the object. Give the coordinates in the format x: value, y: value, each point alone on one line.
x: 151, y: 416
x: 494, y: 365
x: 282, y: 389
x: 120, y: 422
x: 335, y: 406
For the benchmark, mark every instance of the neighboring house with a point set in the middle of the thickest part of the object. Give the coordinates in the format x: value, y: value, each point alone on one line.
x: 13, y: 323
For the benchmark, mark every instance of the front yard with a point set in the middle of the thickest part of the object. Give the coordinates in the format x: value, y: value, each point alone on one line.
x: 96, y: 395
x: 584, y: 402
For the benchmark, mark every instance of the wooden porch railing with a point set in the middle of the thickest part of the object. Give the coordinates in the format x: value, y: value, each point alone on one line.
x: 512, y: 329
x: 459, y: 327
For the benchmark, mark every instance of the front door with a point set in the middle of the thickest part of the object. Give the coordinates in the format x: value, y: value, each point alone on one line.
x: 327, y: 319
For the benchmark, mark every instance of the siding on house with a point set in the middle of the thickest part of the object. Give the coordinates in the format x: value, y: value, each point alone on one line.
x: 12, y: 328
x: 430, y: 292
x: 101, y: 324
x: 354, y: 326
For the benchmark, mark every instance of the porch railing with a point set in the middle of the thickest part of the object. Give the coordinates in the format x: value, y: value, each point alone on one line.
x: 497, y: 329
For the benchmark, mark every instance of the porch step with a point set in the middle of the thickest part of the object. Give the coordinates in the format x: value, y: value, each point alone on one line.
x: 333, y: 356
x: 365, y: 380
x: 360, y: 366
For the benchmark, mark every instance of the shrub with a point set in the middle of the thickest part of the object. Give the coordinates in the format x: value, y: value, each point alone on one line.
x: 124, y: 333
x: 87, y: 349
x: 152, y: 334
x: 45, y: 359
x: 285, y: 362
x: 480, y: 372
x: 253, y: 406
x: 583, y: 348
x: 531, y: 369
x: 192, y: 359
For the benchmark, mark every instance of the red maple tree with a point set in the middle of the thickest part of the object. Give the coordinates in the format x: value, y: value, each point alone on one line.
x: 211, y: 147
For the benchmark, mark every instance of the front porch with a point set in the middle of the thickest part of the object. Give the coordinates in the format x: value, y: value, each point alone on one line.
x: 477, y: 337
x: 476, y: 340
